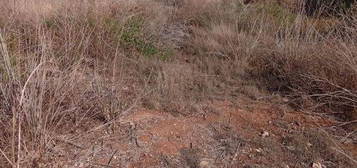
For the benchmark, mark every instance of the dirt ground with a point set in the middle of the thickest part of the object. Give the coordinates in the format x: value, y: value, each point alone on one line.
x: 222, y: 134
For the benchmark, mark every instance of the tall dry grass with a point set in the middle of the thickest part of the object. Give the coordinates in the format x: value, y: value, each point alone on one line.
x: 60, y: 71
x: 70, y: 65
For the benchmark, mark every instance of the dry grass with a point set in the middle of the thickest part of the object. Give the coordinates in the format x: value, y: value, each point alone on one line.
x: 318, y: 67
x: 66, y: 64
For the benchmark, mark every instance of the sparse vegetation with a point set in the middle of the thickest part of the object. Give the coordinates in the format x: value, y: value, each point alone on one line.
x: 70, y: 68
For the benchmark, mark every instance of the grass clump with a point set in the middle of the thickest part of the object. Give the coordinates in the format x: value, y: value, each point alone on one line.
x: 317, y: 70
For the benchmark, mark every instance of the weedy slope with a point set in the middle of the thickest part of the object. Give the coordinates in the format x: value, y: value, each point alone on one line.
x: 70, y: 68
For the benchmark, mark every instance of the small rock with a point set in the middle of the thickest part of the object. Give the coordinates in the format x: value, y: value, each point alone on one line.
x: 265, y: 134
x: 125, y: 88
x: 259, y: 150
x: 206, y: 163
x: 285, y: 100
x: 318, y: 165
x: 291, y: 148
x: 79, y: 164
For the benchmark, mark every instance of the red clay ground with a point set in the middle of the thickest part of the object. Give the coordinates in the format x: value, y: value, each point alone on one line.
x: 229, y: 135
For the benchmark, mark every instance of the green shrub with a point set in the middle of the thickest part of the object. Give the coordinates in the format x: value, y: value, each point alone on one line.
x: 279, y: 14
x: 132, y: 36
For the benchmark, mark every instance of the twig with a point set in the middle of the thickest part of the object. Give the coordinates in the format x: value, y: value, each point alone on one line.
x: 338, y: 150
x: 110, y: 160
x: 28, y: 80
x: 347, y: 123
x: 2, y: 152
x: 348, y: 135
x: 346, y: 155
x: 19, y: 143
x: 70, y: 143
x: 99, y: 164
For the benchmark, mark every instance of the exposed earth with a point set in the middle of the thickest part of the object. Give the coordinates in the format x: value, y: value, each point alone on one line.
x: 222, y: 134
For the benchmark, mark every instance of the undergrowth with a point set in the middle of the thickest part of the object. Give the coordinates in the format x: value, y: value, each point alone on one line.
x: 65, y: 71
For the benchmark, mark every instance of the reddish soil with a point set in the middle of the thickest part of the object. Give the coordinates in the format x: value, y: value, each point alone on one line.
x: 232, y: 135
